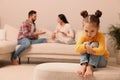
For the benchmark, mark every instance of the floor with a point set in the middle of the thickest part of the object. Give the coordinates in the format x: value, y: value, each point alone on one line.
x: 25, y: 71
x: 19, y: 72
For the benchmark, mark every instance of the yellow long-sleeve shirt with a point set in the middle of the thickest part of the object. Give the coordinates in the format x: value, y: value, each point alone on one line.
x: 100, y: 50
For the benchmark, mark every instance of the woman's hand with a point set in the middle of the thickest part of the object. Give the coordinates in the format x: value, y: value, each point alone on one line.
x: 65, y: 34
x: 90, y: 49
x: 53, y: 36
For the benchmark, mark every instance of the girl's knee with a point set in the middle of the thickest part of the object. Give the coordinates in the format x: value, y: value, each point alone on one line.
x: 95, y: 44
x: 87, y: 43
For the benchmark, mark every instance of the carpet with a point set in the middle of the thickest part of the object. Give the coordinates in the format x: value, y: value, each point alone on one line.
x: 19, y: 72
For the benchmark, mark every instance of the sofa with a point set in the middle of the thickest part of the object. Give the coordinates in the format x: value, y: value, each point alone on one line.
x: 6, y: 47
x: 50, y: 51
x: 55, y: 52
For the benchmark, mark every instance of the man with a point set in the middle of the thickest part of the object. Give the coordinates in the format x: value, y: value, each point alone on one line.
x: 27, y: 35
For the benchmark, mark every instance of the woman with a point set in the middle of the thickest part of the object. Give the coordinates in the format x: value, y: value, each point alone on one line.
x: 63, y: 32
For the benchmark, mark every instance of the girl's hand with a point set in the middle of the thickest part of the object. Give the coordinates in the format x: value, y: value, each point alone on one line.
x: 90, y: 49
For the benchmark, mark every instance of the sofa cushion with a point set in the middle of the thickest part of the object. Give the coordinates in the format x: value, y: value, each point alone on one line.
x: 11, y: 33
x: 51, y: 48
x: 7, y: 46
x: 68, y: 71
x: 2, y: 34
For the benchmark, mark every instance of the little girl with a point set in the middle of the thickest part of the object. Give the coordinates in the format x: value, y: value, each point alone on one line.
x: 91, y: 45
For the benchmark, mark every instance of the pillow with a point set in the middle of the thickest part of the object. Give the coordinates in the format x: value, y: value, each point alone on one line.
x: 11, y: 33
x: 2, y: 34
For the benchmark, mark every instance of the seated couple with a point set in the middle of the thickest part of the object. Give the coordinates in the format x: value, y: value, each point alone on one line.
x: 28, y: 34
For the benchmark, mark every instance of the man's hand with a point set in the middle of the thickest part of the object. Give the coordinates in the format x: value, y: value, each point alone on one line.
x: 39, y: 32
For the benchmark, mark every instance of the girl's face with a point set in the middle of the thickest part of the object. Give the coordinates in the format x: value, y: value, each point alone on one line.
x: 90, y: 29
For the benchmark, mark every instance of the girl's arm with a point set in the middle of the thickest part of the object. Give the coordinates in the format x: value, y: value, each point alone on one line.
x: 80, y: 47
x: 100, y: 50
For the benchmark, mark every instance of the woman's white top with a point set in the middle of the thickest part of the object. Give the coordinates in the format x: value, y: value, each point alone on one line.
x: 66, y: 29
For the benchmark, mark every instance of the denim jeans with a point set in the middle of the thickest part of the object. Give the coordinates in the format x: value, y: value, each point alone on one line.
x: 94, y: 60
x: 24, y: 44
